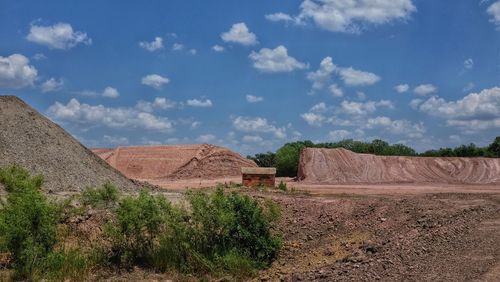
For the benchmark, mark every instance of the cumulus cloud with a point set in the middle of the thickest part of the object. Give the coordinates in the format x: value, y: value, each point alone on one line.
x: 348, y: 16
x: 494, y: 11
x: 468, y: 64
x: 313, y: 119
x: 158, y: 103
x: 239, y: 33
x: 177, y: 47
x: 16, y: 72
x: 354, y: 77
x: 321, y: 76
x: 199, y: 103
x: 110, y: 92
x: 415, y: 103
x: 475, y: 111
x: 336, y: 90
x: 397, y: 127
x: 275, y: 60
x: 402, y: 88
x: 356, y: 112
x: 218, y: 48
x: 58, y: 36
x: 350, y: 76
x: 51, y: 85
x: 254, y: 99
x: 340, y: 134
x: 206, y: 138
x: 258, y: 124
x: 89, y: 115
x: 152, y: 46
x: 425, y: 89
x: 252, y: 139
x: 154, y: 80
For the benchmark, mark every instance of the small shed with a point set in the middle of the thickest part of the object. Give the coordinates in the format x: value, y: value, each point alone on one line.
x: 258, y: 176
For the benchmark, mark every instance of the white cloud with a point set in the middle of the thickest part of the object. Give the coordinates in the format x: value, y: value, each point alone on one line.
x: 88, y: 115
x: 322, y: 75
x: 39, y: 57
x: 177, y: 47
x: 199, y: 103
x: 207, y: 138
x: 152, y: 46
x: 239, y: 33
x: 319, y: 108
x: 349, y: 76
x: 425, y: 89
x: 280, y: 17
x: 252, y: 139
x: 110, y: 92
x: 402, y: 88
x: 475, y: 111
x: 155, y: 80
x: 361, y: 95
x: 354, y: 77
x: 349, y: 16
x: 335, y: 90
x: 218, y: 48
x: 468, y: 64
x: 313, y: 119
x: 192, y: 51
x: 338, y: 135
x: 52, y: 85
x: 15, y: 71
x: 58, y: 36
x: 494, y: 11
x: 275, y: 60
x: 257, y: 124
x: 254, y: 99
x: 397, y: 127
x: 415, y: 103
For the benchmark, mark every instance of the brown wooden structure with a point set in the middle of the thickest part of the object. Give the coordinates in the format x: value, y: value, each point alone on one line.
x: 258, y: 176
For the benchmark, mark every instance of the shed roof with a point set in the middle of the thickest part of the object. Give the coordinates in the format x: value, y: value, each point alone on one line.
x: 258, y: 170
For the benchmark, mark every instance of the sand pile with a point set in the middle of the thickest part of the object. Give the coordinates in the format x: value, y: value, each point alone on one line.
x: 340, y: 166
x: 29, y: 139
x: 175, y: 162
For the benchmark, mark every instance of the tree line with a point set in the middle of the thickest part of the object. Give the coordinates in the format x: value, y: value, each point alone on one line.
x: 286, y: 158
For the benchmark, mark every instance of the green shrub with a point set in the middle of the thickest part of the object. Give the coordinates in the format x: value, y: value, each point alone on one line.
x: 27, y: 222
x: 100, y: 197
x: 282, y: 186
x: 220, y: 233
x: 73, y: 264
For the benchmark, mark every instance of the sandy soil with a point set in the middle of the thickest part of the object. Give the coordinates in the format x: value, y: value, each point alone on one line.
x: 340, y: 166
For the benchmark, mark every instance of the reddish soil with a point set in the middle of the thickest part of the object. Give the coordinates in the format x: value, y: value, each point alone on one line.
x: 340, y: 166
x: 175, y: 162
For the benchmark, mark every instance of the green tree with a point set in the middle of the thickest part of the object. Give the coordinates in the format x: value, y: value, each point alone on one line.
x: 287, y: 158
x: 494, y: 148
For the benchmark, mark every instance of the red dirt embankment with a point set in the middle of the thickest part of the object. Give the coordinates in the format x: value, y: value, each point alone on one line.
x: 340, y: 166
x: 175, y: 162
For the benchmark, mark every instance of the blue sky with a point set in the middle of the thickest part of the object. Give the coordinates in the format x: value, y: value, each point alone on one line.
x: 252, y: 75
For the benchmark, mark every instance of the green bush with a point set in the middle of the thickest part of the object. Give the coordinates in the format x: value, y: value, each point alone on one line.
x: 27, y: 222
x: 221, y: 232
x: 282, y: 186
x: 100, y: 197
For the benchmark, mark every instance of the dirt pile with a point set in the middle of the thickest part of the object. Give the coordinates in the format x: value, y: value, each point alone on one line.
x: 340, y: 166
x: 29, y: 139
x: 175, y: 162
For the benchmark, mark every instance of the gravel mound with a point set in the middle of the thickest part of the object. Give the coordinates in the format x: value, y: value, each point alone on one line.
x: 340, y: 166
x: 29, y: 139
x: 175, y: 162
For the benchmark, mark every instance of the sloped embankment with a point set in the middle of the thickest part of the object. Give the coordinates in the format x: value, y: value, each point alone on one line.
x: 29, y: 139
x: 340, y: 166
x: 175, y: 162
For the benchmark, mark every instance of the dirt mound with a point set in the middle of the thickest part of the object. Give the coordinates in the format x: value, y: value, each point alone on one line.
x: 340, y: 166
x: 175, y: 162
x: 29, y: 139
